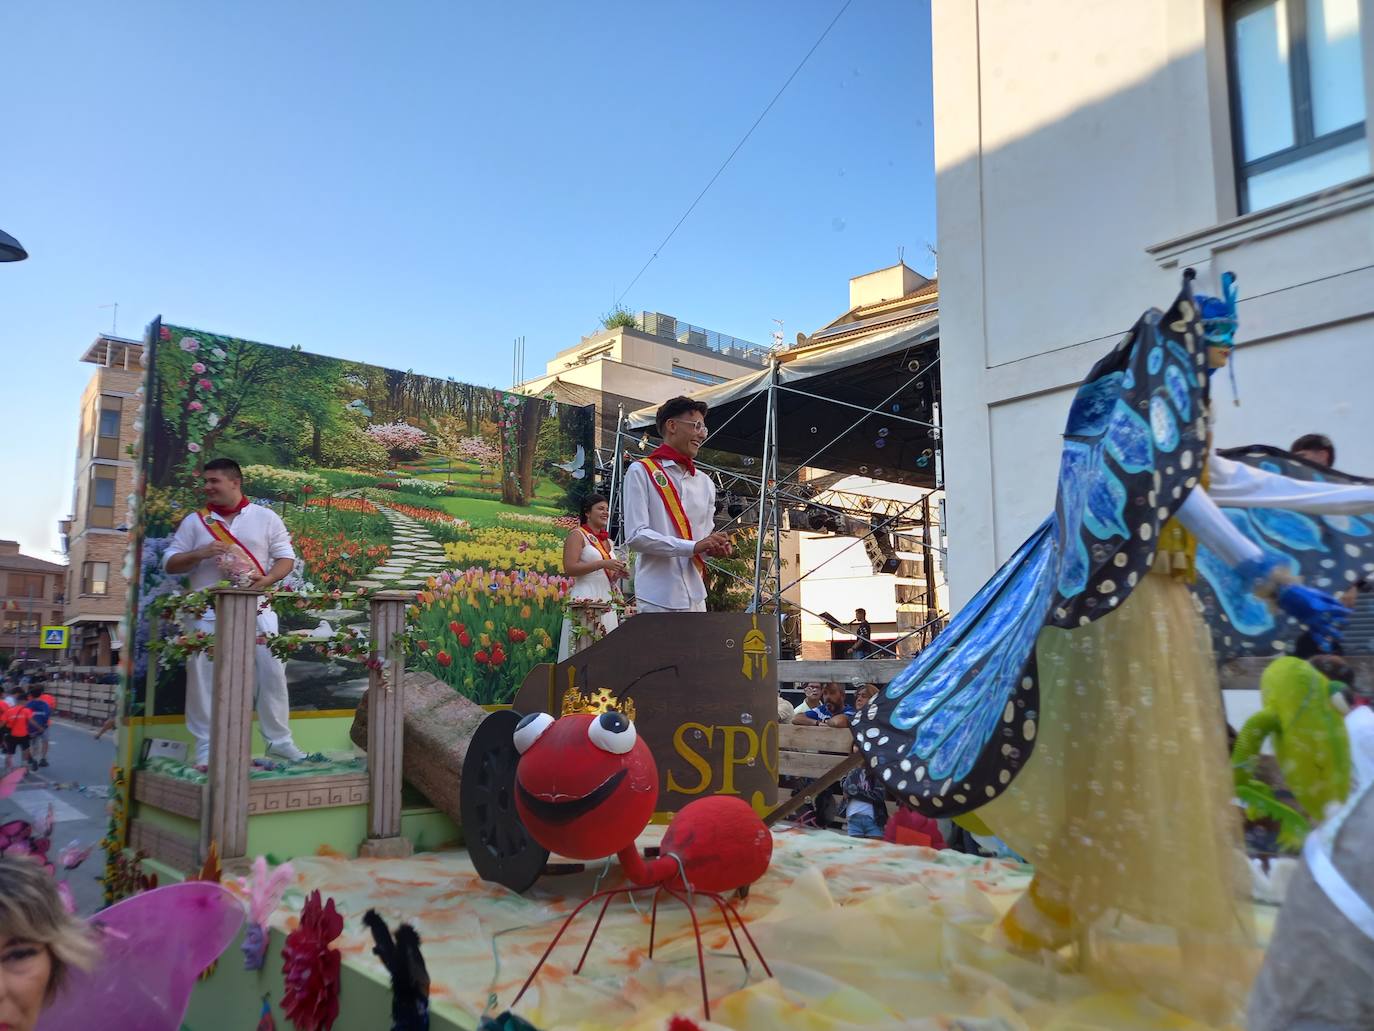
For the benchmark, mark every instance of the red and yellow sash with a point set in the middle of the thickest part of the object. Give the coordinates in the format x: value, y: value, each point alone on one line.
x: 597, y: 543
x: 677, y: 515
x: 220, y: 532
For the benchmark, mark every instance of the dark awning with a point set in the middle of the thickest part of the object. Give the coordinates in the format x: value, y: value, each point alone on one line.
x: 863, y: 408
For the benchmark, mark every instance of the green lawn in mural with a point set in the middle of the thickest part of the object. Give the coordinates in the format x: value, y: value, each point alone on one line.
x: 386, y: 479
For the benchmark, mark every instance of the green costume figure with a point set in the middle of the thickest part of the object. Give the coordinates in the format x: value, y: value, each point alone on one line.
x: 1310, y: 740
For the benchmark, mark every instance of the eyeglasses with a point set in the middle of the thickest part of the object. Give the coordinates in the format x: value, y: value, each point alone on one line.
x: 699, y: 426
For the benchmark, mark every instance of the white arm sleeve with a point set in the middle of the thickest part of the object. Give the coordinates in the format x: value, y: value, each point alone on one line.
x: 279, y: 543
x: 183, y: 540
x: 1206, y: 522
x: 639, y: 535
x: 1237, y: 485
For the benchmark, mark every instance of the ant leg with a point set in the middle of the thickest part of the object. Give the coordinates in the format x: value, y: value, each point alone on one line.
x: 701, y: 957
x: 653, y: 921
x: 597, y: 926
x: 571, y: 916
x: 725, y: 915
x: 753, y: 944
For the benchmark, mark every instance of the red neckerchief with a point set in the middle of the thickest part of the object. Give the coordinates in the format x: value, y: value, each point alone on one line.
x: 600, y: 535
x: 225, y: 511
x: 674, y: 455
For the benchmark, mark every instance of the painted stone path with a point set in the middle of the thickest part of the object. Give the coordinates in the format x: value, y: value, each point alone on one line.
x: 415, y: 555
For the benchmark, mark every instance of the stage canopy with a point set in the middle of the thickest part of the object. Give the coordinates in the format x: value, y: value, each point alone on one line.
x: 863, y: 408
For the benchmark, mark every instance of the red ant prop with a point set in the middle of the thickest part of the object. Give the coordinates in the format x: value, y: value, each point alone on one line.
x: 585, y: 788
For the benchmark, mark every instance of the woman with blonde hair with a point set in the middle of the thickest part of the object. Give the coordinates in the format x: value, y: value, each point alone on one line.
x: 39, y: 942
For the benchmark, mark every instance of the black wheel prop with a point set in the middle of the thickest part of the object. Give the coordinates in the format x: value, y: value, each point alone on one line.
x: 500, y: 848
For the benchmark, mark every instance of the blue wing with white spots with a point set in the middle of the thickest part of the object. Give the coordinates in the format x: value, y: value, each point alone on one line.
x: 1328, y: 552
x: 956, y: 726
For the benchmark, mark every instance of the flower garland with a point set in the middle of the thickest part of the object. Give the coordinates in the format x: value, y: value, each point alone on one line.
x: 347, y: 642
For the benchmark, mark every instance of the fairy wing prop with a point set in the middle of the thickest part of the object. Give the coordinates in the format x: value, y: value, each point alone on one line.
x: 1330, y: 552
x: 154, y: 945
x: 954, y: 728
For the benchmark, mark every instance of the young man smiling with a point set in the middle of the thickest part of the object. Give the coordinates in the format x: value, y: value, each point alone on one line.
x: 670, y: 511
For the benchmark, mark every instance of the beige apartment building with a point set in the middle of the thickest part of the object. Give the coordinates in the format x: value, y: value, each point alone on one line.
x: 657, y: 358
x: 95, y: 535
x: 30, y: 598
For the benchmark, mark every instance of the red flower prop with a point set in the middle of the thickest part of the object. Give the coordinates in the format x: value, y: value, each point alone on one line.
x: 310, y: 968
x: 443, y: 658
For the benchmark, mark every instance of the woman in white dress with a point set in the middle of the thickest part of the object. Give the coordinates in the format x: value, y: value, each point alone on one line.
x: 589, y: 560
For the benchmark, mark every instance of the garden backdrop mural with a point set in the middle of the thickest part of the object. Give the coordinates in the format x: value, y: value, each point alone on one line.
x: 386, y: 479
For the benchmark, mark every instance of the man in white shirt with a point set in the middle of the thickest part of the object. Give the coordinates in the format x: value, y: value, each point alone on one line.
x: 249, y: 546
x: 670, y: 514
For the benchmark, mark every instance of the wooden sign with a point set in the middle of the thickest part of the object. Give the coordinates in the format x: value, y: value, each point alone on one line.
x: 701, y: 689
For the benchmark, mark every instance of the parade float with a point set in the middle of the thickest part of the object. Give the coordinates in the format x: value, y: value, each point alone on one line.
x: 418, y: 632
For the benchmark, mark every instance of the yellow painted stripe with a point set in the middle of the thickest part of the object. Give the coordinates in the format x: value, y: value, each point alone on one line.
x: 308, y: 714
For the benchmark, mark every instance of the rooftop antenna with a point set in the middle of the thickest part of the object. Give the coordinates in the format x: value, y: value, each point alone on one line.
x: 777, y: 336
x: 901, y: 254
x: 114, y: 320
x: 934, y: 256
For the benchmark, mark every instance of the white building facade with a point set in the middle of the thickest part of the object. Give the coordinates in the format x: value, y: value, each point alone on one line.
x: 1088, y: 151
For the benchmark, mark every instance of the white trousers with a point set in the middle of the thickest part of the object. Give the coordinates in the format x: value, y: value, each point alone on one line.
x: 648, y: 606
x: 270, y: 698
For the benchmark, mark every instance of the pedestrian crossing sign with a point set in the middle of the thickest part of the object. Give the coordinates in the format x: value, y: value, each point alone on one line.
x: 54, y: 637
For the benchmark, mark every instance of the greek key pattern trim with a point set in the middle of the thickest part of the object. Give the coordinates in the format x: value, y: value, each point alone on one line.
x: 284, y: 796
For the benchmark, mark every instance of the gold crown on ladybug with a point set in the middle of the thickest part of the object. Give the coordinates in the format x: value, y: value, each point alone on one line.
x: 599, y: 701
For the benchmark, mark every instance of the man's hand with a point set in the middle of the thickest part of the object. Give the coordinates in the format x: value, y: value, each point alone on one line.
x: 214, y: 550
x: 713, y: 544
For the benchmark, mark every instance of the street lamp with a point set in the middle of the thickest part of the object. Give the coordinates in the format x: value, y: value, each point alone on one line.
x: 10, y: 248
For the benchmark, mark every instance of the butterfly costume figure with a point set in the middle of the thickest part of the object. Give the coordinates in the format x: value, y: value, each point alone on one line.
x: 1074, y: 701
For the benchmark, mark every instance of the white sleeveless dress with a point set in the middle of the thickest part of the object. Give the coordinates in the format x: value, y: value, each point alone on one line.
x: 596, y: 586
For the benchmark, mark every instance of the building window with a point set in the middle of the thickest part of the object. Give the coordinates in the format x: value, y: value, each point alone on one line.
x: 95, y: 578
x: 27, y: 585
x: 102, y: 498
x: 681, y: 372
x: 1297, y: 97
x: 107, y: 428
x: 20, y: 623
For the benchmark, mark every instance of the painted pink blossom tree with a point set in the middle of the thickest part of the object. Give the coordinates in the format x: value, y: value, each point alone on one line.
x: 400, y: 439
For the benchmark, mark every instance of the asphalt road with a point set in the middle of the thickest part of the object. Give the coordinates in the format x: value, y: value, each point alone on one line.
x: 76, y: 784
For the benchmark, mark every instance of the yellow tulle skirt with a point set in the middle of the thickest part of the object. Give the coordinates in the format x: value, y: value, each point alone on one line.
x: 1126, y: 804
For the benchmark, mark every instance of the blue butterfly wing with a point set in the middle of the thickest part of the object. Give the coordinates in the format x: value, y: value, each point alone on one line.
x: 1328, y: 552
x: 955, y: 726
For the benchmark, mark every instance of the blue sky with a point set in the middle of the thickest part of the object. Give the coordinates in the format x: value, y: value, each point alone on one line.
x: 417, y: 183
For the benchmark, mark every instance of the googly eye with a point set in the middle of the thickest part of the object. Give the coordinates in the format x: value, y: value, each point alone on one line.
x: 612, y: 732
x: 530, y: 729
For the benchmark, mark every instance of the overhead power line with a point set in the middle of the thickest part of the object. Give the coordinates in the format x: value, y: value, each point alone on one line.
x: 743, y: 140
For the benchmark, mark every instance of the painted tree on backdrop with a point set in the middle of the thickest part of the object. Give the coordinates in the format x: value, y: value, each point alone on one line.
x: 518, y: 419
x: 214, y: 389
